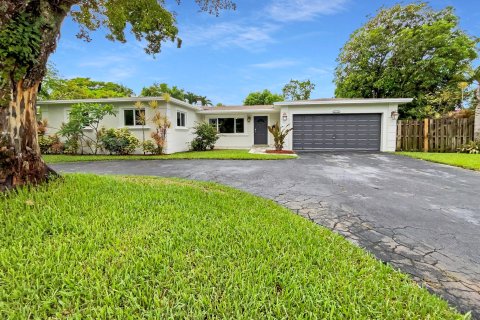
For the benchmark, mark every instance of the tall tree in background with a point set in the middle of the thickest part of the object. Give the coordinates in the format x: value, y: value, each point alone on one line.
x: 29, y: 31
x: 80, y: 88
x: 406, y: 51
x: 262, y: 98
x: 298, y: 90
x: 158, y: 89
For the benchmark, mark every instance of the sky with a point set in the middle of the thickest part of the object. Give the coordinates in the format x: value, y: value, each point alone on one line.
x: 261, y: 45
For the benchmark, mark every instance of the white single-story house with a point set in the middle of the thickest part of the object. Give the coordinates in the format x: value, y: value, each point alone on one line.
x: 318, y: 125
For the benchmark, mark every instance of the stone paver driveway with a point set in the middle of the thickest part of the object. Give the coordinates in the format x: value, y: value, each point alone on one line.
x: 421, y: 217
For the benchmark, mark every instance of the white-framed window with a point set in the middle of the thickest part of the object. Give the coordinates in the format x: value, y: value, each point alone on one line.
x: 181, y: 119
x: 228, y: 125
x: 133, y: 117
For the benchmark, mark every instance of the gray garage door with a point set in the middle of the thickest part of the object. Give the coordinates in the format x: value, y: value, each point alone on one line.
x: 356, y: 132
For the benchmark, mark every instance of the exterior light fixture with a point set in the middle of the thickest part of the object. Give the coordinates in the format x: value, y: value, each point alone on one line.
x: 394, y: 115
x: 249, y: 118
x: 284, y: 116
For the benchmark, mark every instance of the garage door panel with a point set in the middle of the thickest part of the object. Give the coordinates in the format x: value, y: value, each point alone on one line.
x: 337, y: 132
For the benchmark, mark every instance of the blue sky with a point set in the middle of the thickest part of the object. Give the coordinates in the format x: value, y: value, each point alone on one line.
x: 261, y: 45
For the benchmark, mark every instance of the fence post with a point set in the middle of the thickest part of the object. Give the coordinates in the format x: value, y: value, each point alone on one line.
x: 426, y: 126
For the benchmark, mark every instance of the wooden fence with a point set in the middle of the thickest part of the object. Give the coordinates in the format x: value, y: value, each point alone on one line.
x: 434, y: 135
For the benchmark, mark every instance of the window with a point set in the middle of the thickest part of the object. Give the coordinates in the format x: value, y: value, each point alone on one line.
x: 228, y: 125
x: 134, y: 117
x: 181, y: 119
x: 239, y: 125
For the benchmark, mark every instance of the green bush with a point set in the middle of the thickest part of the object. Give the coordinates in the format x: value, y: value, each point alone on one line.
x: 50, y: 144
x: 149, y: 146
x: 72, y: 144
x: 473, y: 147
x: 205, y: 137
x: 118, y: 141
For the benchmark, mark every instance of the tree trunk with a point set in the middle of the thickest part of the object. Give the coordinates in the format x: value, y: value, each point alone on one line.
x: 476, y: 124
x: 20, y: 159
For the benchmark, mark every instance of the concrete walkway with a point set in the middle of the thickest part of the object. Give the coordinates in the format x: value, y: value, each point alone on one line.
x: 420, y: 217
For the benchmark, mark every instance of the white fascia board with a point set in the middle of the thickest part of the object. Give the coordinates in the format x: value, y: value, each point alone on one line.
x: 113, y: 100
x: 344, y: 102
x: 238, y: 111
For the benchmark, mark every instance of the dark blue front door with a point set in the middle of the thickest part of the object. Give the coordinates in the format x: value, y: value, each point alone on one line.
x: 260, y: 129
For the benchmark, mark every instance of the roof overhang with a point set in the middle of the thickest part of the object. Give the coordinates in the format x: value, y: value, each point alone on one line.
x: 246, y: 111
x: 345, y: 102
x: 118, y: 100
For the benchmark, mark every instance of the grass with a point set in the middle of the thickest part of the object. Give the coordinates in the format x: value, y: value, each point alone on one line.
x: 214, y: 154
x: 463, y: 160
x: 136, y: 247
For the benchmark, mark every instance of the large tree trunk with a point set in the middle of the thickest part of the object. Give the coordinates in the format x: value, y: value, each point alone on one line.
x: 476, y: 128
x: 20, y: 159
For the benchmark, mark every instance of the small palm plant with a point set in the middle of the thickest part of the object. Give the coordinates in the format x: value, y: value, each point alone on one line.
x: 279, y: 135
x: 161, y: 124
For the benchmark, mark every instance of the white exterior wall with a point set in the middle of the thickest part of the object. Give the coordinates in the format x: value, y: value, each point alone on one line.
x: 241, y: 140
x: 388, y: 130
x: 178, y: 139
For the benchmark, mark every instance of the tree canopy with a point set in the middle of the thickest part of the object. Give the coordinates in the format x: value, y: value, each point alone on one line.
x: 158, y: 89
x: 298, y: 90
x: 407, y: 51
x: 56, y: 88
x: 264, y: 97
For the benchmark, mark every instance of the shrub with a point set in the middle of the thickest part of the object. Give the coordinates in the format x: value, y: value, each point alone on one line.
x: 161, y: 124
x: 72, y: 144
x: 118, y: 141
x: 473, y: 147
x: 50, y: 144
x: 279, y: 135
x: 205, y: 137
x: 150, y: 147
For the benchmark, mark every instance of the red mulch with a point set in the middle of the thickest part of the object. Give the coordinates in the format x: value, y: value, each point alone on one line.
x: 281, y: 151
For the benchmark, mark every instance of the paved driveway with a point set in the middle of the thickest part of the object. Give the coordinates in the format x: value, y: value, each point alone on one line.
x: 421, y: 217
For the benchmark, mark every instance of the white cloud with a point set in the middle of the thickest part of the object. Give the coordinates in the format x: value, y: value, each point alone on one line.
x: 275, y: 64
x: 303, y: 10
x: 230, y: 34
x: 103, y: 61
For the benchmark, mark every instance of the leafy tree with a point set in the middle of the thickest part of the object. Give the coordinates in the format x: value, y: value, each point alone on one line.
x: 406, y: 51
x: 264, y: 97
x: 204, y: 100
x: 298, y: 90
x: 85, y: 88
x: 50, y: 83
x: 158, y: 89
x: 29, y: 31
x: 86, y: 116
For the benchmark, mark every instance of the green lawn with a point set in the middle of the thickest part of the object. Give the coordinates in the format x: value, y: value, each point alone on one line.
x: 214, y: 154
x: 136, y: 247
x: 464, y: 160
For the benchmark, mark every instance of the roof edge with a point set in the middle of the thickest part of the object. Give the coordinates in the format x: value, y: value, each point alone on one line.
x: 125, y: 99
x: 345, y: 101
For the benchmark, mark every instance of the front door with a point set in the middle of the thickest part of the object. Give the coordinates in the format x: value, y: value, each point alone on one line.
x: 260, y: 129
